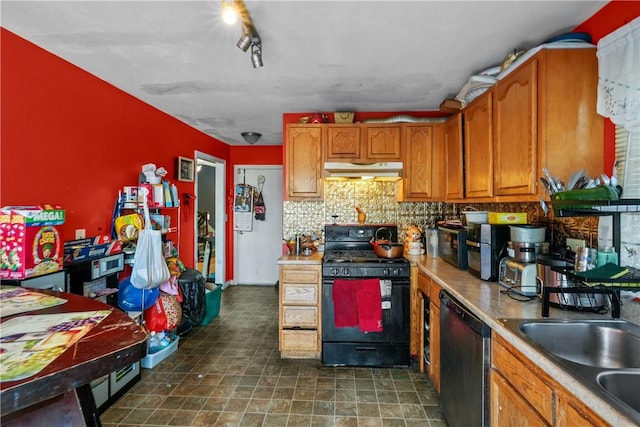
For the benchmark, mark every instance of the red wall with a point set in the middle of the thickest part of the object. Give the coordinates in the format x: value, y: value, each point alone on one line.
x: 71, y: 139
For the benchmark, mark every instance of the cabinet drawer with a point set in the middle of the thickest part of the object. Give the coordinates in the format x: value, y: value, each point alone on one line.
x: 299, y: 294
x: 299, y: 340
x: 527, y: 382
x: 303, y: 317
x: 300, y: 276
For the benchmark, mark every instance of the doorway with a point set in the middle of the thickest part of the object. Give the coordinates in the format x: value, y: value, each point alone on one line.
x: 210, y: 217
x: 256, y: 251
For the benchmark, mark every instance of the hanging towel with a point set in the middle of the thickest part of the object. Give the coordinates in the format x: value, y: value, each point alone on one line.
x: 385, y: 293
x: 345, y: 309
x: 369, y: 305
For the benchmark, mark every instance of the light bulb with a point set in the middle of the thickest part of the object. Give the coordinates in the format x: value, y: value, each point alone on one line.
x: 229, y: 13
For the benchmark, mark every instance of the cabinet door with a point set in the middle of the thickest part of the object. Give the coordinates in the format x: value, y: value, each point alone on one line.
x: 434, y: 334
x: 454, y: 186
x: 508, y: 408
x: 434, y: 344
x: 530, y: 383
x: 570, y: 412
x: 343, y: 143
x: 478, y: 147
x: 382, y: 142
x: 304, y: 174
x: 515, y: 139
x: 417, y: 147
x: 438, y: 165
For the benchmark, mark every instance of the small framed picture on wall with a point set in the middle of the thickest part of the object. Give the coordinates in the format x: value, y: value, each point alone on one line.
x: 185, y: 169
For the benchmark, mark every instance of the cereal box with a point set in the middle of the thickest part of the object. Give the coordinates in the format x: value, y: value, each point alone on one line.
x: 30, y: 242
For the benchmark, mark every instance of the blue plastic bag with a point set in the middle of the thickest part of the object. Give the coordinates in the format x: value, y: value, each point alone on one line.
x: 130, y: 297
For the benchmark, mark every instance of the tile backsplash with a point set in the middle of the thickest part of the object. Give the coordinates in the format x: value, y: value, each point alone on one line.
x: 378, y: 199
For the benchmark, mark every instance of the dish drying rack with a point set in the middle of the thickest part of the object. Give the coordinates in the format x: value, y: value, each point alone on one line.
x: 602, y: 286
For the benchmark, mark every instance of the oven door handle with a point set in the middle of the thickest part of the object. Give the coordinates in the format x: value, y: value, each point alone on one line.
x: 362, y: 349
x: 472, y: 243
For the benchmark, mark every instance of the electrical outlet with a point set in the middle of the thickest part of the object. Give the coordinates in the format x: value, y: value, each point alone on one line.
x: 81, y: 233
x: 574, y: 244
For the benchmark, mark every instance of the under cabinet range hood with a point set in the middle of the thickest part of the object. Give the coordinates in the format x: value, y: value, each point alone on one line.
x: 391, y: 171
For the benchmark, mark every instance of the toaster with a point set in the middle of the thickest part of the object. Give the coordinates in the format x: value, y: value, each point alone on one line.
x: 518, y: 277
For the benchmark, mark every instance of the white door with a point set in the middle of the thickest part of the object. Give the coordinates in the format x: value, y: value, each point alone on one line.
x: 257, y: 251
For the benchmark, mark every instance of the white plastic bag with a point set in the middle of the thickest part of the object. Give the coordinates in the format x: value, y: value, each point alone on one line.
x: 149, y: 267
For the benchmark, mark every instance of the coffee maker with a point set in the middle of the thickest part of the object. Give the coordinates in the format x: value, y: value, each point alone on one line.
x: 517, y: 272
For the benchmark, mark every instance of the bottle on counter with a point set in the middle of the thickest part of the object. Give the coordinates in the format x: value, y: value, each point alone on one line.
x: 297, y: 247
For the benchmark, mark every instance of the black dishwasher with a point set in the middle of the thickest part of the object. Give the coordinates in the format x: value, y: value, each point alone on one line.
x: 465, y: 345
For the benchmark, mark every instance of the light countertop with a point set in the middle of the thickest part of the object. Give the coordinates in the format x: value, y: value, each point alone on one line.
x: 314, y: 258
x: 487, y: 301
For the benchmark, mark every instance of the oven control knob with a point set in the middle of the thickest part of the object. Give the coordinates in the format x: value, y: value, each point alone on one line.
x: 385, y: 272
x: 335, y: 271
x: 345, y: 271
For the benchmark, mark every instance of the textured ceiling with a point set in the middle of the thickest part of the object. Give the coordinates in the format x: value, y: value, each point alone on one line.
x: 178, y: 56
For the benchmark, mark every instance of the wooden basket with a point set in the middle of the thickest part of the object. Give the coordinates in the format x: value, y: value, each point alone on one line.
x: 343, y: 117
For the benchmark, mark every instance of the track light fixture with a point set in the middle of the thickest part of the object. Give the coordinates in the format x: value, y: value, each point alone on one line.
x: 245, y: 40
x: 231, y: 10
x: 256, y: 53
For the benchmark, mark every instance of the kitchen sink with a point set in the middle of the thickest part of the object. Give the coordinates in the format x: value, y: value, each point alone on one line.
x: 623, y: 385
x: 604, y: 355
x: 602, y: 344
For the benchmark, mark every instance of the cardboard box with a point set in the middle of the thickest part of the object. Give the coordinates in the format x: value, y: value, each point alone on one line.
x: 451, y: 106
x: 507, y: 217
x: 30, y: 242
x: 90, y: 248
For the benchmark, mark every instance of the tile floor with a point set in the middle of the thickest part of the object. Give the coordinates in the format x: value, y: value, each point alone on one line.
x: 229, y: 373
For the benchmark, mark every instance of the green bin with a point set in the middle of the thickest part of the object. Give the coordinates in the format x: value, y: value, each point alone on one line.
x: 212, y: 304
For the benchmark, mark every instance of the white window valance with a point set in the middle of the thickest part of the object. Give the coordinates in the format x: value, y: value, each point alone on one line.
x: 619, y: 76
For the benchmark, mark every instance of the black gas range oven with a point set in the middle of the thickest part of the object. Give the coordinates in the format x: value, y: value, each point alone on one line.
x: 350, y: 272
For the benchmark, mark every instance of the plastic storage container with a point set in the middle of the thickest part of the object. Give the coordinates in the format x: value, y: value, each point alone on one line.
x: 151, y: 360
x: 432, y: 243
x: 212, y: 299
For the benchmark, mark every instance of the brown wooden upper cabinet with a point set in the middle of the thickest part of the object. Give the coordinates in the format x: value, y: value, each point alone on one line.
x: 304, y: 169
x: 423, y: 161
x: 478, y: 147
x: 454, y: 185
x: 545, y: 115
x: 363, y: 143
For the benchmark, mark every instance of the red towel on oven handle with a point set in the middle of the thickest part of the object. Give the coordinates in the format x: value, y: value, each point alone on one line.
x: 345, y: 308
x: 369, y: 305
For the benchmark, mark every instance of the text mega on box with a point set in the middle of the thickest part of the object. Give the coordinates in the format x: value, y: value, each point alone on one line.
x: 30, y: 242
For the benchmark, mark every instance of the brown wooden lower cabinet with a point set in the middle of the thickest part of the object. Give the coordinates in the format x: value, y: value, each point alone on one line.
x: 300, y: 311
x: 509, y: 408
x: 572, y: 412
x: 522, y: 395
x: 434, y: 334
